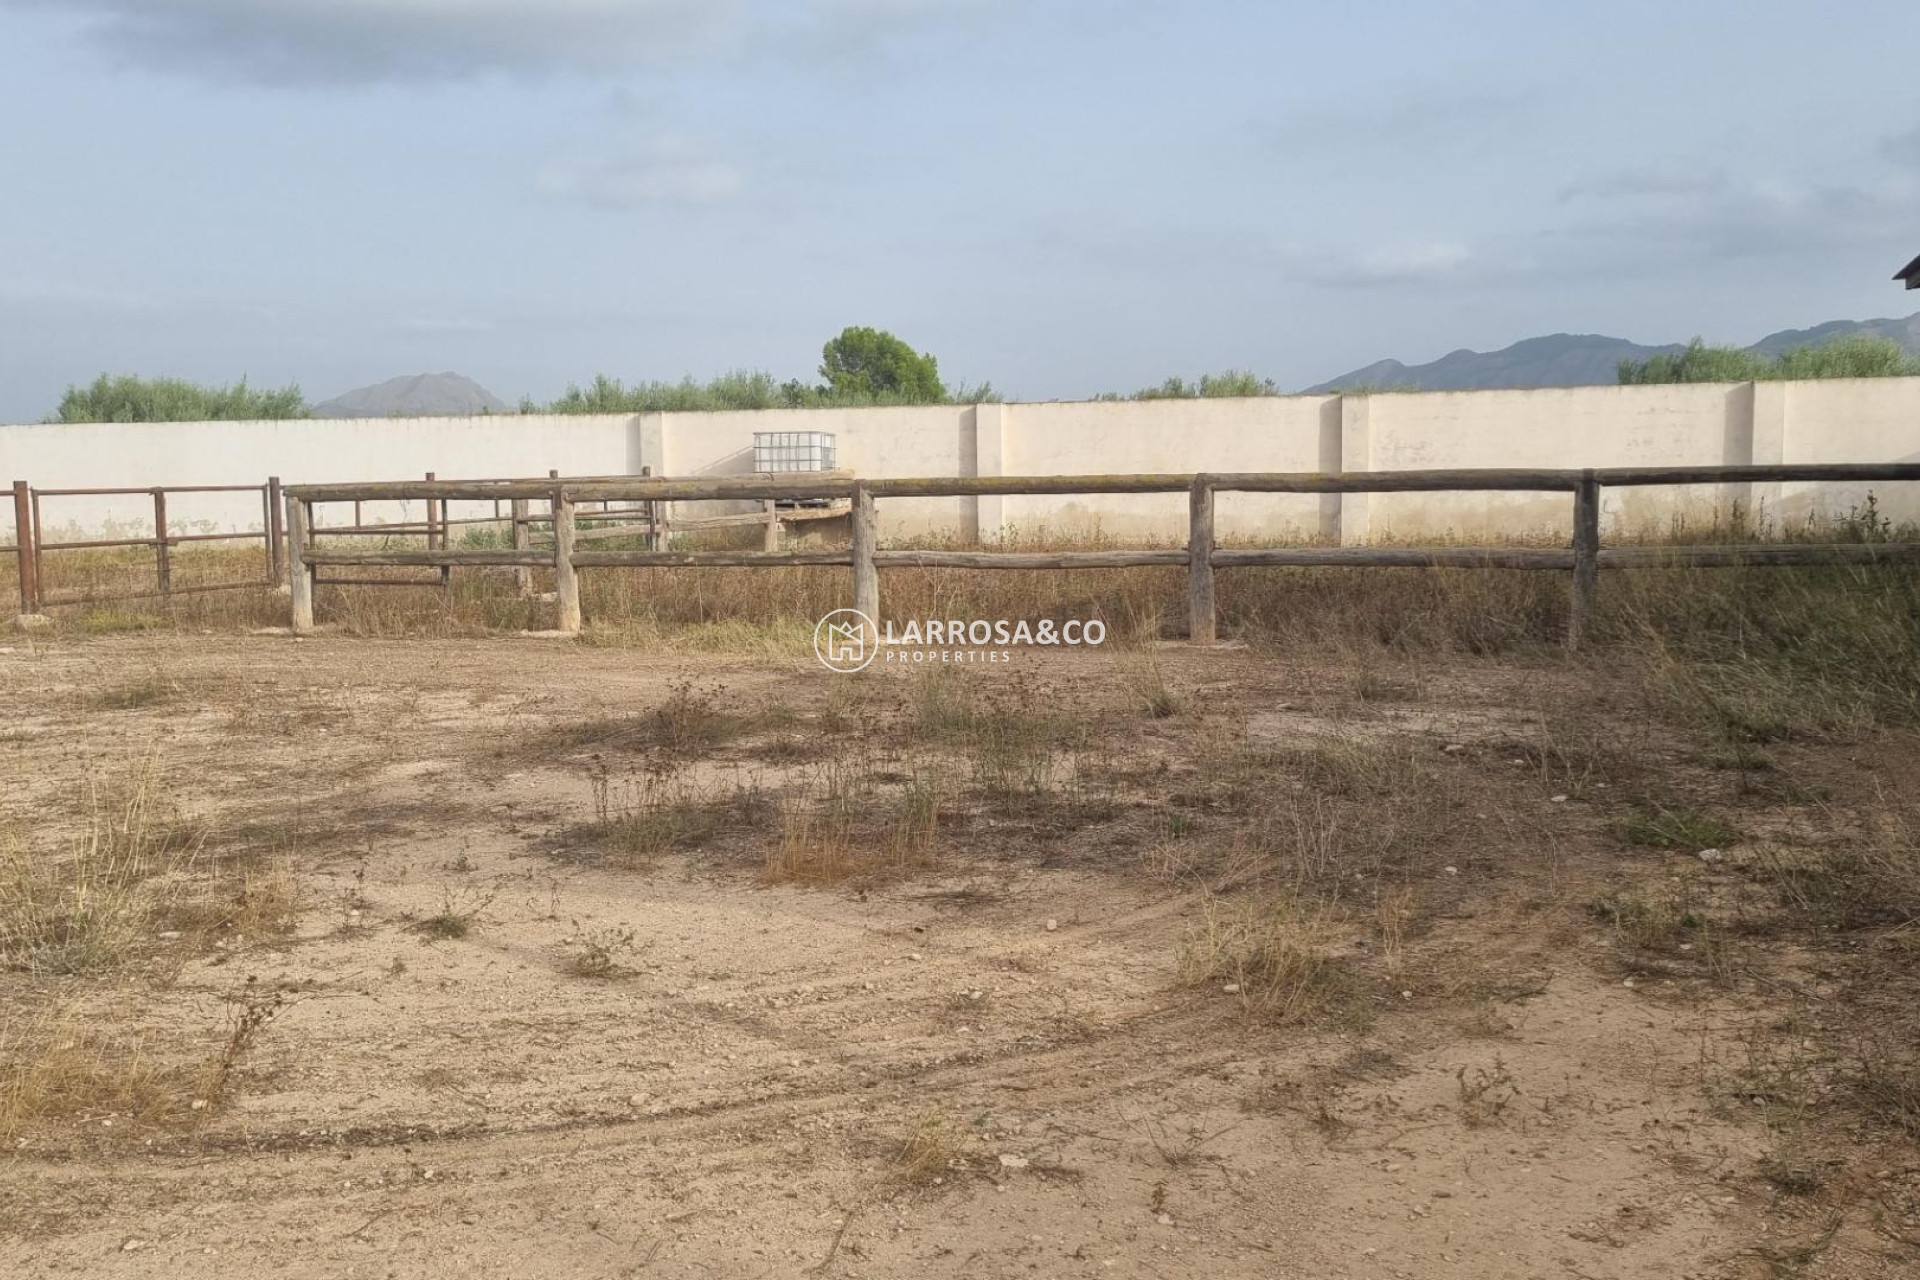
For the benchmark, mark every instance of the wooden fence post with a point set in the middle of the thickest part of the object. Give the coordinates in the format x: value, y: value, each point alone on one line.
x: 566, y: 580
x: 770, y: 541
x: 866, y: 574
x: 276, y: 533
x: 1586, y: 560
x: 522, y: 541
x: 299, y: 519
x: 23, y: 548
x: 1200, y: 606
x: 162, y: 552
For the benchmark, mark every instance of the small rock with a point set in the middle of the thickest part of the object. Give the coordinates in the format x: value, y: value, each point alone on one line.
x: 169, y: 934
x: 914, y: 955
x: 1052, y: 925
x: 199, y: 1104
x: 1165, y: 1219
x: 1406, y: 995
x: 131, y: 1245
x: 1710, y: 855
x: 1454, y: 747
x: 1559, y: 800
x: 1232, y: 988
x: 1014, y: 1162
x: 1452, y: 871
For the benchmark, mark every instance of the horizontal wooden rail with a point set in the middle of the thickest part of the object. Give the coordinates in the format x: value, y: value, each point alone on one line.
x: 433, y: 557
x: 1714, y: 557
x: 1805, y: 471
x: 1390, y: 557
x: 1493, y: 478
x: 1026, y: 559
x: 993, y: 486
x: 707, y: 559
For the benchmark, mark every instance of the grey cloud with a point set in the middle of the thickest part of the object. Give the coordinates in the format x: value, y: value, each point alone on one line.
x: 365, y: 41
x: 1662, y: 180
x: 1903, y: 148
x: 1420, y: 260
x: 1759, y: 216
x: 1420, y: 112
x: 663, y: 170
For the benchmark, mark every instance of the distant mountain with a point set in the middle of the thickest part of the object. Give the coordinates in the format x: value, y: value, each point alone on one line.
x: 1581, y: 359
x: 422, y: 395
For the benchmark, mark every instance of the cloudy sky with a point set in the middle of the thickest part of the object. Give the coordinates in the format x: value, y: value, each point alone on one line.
x: 1059, y: 196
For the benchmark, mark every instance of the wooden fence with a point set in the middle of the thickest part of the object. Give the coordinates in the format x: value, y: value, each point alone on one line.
x: 1584, y: 558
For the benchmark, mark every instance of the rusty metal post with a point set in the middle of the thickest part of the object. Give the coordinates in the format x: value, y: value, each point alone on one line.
x: 437, y: 532
x: 522, y: 541
x: 654, y: 542
x: 276, y: 533
x: 39, y: 551
x: 23, y: 539
x: 162, y: 550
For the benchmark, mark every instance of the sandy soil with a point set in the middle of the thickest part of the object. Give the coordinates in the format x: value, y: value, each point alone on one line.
x: 733, y: 1101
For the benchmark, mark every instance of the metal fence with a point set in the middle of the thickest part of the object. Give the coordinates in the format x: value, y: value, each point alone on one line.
x: 31, y: 543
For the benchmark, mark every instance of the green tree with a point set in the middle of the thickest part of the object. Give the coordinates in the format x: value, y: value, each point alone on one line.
x: 872, y: 364
x: 1231, y: 384
x: 127, y: 398
x: 1858, y: 356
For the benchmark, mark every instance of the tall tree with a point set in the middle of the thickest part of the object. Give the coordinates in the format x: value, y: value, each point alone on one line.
x: 869, y: 364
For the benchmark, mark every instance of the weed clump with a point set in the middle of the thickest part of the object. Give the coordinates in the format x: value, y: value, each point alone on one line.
x: 1270, y: 953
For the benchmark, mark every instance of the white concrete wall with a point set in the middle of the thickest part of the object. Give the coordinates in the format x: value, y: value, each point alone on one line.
x: 1269, y: 433
x: 1692, y: 425
x: 1860, y: 419
x: 1863, y: 420
x: 301, y: 451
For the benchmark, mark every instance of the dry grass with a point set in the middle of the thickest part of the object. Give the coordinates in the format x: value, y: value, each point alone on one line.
x: 71, y: 1064
x: 89, y: 906
x: 596, y: 952
x: 638, y: 821
x: 928, y: 1154
x: 813, y: 849
x: 62, y: 1067
x: 1272, y: 953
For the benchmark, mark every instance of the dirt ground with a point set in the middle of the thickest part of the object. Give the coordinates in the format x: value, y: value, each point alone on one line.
x: 989, y: 1063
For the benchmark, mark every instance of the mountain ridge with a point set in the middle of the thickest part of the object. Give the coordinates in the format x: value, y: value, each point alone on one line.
x: 1581, y: 359
x: 415, y: 395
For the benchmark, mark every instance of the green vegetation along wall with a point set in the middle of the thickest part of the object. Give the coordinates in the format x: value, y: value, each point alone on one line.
x: 1855, y: 357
